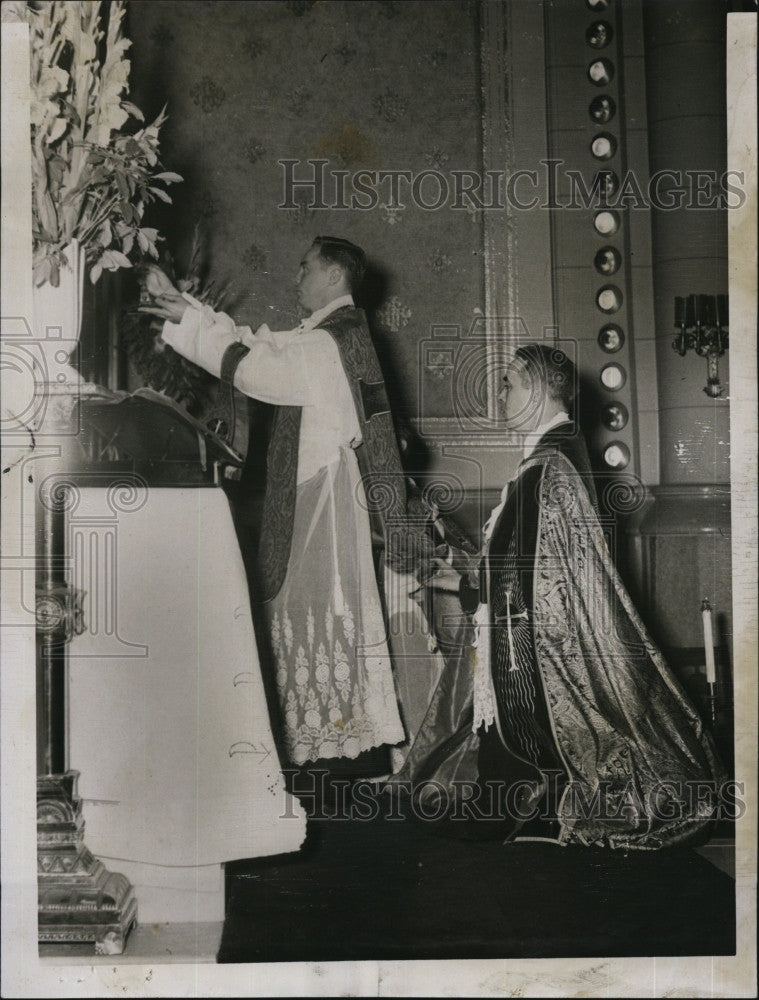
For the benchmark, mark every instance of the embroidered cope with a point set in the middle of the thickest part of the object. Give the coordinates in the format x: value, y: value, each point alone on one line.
x: 569, y: 675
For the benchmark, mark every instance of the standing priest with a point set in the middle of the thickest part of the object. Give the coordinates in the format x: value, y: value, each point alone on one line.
x: 316, y: 572
x: 583, y: 735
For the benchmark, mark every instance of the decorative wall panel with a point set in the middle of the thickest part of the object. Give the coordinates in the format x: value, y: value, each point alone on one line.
x: 373, y: 86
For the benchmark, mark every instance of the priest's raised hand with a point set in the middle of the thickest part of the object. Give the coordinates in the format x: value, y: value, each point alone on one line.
x: 163, y: 299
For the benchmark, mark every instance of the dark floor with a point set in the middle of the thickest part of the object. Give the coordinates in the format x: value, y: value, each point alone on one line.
x: 394, y: 889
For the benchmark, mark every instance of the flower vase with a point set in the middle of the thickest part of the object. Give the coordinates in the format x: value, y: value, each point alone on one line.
x: 57, y: 325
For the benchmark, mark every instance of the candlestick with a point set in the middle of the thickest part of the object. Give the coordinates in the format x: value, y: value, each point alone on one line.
x: 722, y: 313
x: 702, y: 304
x: 690, y: 311
x: 702, y: 325
x: 706, y: 615
x: 679, y: 310
x: 708, y: 310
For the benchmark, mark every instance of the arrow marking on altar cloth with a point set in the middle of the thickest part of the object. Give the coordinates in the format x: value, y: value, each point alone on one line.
x: 243, y: 747
x: 244, y: 678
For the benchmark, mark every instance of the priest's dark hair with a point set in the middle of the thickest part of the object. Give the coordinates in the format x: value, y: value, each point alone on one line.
x: 347, y: 255
x: 553, y: 368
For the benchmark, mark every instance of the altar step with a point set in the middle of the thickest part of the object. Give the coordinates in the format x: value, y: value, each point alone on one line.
x: 721, y: 852
x: 200, y: 942
x: 167, y: 943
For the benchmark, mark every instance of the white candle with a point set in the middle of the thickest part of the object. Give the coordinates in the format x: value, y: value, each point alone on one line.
x: 706, y: 614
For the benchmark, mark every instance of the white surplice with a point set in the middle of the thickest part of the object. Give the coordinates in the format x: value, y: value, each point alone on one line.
x: 326, y: 630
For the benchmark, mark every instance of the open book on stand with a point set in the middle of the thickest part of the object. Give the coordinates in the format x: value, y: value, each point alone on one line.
x: 150, y: 431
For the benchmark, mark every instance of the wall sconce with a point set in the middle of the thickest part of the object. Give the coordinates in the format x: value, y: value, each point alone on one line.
x: 702, y: 323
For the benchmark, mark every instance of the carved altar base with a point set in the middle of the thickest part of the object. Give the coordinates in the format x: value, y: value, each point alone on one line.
x: 79, y: 900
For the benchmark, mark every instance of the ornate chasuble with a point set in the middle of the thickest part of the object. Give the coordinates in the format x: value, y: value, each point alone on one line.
x: 378, y: 456
x: 522, y: 745
x: 509, y: 567
x: 516, y: 682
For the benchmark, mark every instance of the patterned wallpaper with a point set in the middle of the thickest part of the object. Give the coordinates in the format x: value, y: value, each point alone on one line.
x: 370, y: 85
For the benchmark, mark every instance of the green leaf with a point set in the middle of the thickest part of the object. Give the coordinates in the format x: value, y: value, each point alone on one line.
x: 133, y: 110
x: 121, y: 184
x: 160, y: 194
x: 41, y: 270
x: 89, y: 179
x: 57, y: 169
x: 120, y: 259
x: 130, y: 147
x: 127, y: 211
x: 168, y: 177
x: 72, y: 113
x: 112, y: 260
x: 59, y: 127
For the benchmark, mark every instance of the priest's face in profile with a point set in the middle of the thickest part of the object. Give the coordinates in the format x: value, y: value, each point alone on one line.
x: 521, y: 398
x: 316, y: 284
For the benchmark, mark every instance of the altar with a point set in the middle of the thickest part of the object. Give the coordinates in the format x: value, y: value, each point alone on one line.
x: 168, y: 739
x: 168, y: 723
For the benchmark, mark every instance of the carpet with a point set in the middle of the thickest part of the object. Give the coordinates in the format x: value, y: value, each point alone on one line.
x: 392, y: 888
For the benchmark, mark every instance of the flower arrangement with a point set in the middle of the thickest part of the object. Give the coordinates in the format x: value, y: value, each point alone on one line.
x: 91, y: 180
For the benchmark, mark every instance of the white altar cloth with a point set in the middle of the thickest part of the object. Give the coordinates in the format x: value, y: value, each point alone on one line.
x: 168, y: 723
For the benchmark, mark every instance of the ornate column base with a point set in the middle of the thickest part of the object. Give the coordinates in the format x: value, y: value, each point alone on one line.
x: 79, y: 900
